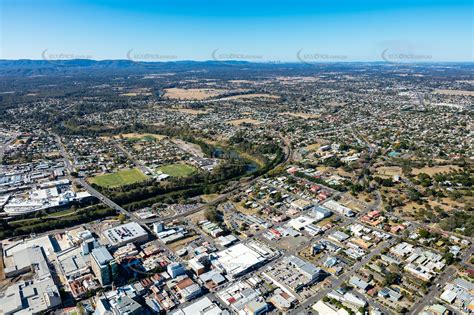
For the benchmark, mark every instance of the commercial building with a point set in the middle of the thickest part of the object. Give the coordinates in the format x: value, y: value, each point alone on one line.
x: 338, y: 236
x: 337, y: 207
x: 196, y: 265
x: 212, y: 278
x: 319, y: 213
x: 30, y: 297
x: 323, y: 308
x: 390, y: 293
x: 175, y: 269
x: 34, y: 296
x: 348, y: 298
x: 359, y: 283
x: 282, y: 300
x: 292, y: 274
x: 186, y: 288
x: 241, y: 298
x: 239, y: 259
x: 73, y: 264
x: 128, y: 306
x: 203, y: 306
x: 459, y: 294
x: 300, y: 222
x: 41, y: 199
x: 103, y: 265
x: 126, y: 233
x: 211, y: 228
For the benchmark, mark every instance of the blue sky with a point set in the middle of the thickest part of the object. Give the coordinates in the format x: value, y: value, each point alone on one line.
x: 291, y: 30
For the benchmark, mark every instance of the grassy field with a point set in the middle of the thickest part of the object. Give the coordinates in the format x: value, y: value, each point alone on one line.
x: 177, y: 170
x: 119, y: 178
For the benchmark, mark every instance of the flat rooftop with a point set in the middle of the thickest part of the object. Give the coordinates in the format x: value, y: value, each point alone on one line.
x: 239, y: 258
x: 124, y: 233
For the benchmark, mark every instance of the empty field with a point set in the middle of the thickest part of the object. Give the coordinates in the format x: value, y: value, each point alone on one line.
x: 136, y: 94
x: 140, y: 136
x: 389, y: 170
x: 120, y: 178
x: 435, y: 169
x: 237, y: 122
x: 454, y: 92
x: 191, y: 111
x: 192, y: 94
x: 253, y: 95
x: 301, y: 115
x: 177, y: 170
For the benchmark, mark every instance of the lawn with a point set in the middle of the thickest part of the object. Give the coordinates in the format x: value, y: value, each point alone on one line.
x: 120, y: 178
x: 177, y: 170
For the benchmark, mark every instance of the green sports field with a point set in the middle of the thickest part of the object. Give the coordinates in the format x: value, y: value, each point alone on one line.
x: 177, y: 170
x: 120, y: 178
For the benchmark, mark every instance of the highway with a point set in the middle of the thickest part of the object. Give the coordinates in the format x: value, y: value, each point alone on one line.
x: 335, y: 282
x: 91, y: 189
x: 132, y: 216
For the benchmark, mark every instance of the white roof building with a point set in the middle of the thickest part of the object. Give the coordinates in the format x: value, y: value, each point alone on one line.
x: 203, y: 306
x: 125, y: 233
x: 300, y: 222
x: 33, y: 296
x: 240, y: 259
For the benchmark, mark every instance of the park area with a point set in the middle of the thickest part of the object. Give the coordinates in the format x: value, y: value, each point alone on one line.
x: 120, y: 178
x: 177, y: 170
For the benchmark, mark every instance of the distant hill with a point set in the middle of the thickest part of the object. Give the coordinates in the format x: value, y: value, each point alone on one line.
x: 27, y: 67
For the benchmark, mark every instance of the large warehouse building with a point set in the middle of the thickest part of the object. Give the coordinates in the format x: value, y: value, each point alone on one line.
x: 242, y: 258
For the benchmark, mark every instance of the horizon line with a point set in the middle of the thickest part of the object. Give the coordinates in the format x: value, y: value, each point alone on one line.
x: 242, y: 61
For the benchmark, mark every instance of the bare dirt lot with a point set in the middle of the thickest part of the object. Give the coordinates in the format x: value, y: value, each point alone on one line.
x: 192, y: 94
x: 190, y: 111
x: 189, y: 147
x: 135, y: 94
x: 301, y: 115
x: 454, y: 92
x: 435, y: 169
x: 182, y: 243
x: 255, y: 95
x: 238, y: 122
x: 140, y: 136
x: 389, y: 171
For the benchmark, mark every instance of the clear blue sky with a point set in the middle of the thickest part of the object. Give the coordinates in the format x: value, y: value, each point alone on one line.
x: 332, y: 30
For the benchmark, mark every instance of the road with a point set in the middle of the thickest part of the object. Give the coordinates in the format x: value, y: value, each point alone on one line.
x: 447, y: 275
x: 242, y: 186
x: 434, y: 291
x: 132, y: 216
x: 135, y: 161
x: 89, y: 188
